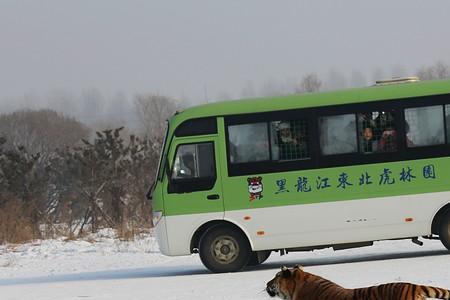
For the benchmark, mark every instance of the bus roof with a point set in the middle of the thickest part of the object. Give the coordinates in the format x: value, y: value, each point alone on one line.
x: 367, y: 94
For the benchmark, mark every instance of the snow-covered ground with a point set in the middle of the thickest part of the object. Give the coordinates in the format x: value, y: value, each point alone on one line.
x: 101, y: 267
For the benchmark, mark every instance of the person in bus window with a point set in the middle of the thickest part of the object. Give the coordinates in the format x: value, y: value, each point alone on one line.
x: 287, y: 142
x: 388, y: 136
x: 286, y: 135
x: 367, y: 125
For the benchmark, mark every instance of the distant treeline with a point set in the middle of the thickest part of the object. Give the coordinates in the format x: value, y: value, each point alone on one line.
x: 96, y: 109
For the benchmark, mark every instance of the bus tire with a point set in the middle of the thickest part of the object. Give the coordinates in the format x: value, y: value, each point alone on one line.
x: 224, y: 249
x: 444, y: 229
x: 258, y: 257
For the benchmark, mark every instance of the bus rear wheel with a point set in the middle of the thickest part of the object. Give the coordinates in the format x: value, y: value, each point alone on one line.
x: 224, y: 249
x: 444, y: 230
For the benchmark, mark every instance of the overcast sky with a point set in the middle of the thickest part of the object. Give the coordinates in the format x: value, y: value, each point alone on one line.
x: 190, y: 48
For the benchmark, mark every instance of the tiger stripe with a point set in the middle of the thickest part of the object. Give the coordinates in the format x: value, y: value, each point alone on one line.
x: 296, y: 284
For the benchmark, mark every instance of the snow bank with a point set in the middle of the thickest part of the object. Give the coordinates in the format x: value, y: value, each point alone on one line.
x: 100, y: 251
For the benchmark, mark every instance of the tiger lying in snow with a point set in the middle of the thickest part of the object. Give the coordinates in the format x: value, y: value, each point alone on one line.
x: 296, y: 284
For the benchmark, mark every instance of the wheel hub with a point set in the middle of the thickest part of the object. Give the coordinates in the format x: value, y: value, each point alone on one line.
x: 225, y: 249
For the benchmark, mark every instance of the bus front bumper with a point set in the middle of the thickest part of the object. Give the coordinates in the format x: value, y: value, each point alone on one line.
x: 161, y: 236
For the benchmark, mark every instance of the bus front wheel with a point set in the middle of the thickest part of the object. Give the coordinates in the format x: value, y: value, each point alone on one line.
x: 224, y: 249
x: 444, y: 230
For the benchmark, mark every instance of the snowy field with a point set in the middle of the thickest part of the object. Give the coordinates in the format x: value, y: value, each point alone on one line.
x: 101, y: 267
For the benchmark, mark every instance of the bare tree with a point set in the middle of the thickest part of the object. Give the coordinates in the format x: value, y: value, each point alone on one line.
x: 41, y: 131
x: 152, y: 111
x: 439, y: 70
x: 310, y: 83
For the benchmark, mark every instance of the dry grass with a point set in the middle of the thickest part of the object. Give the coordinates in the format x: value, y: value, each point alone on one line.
x: 126, y: 231
x: 15, y: 224
x: 17, y: 227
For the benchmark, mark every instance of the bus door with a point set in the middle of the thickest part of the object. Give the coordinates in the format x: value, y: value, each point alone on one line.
x: 192, y: 187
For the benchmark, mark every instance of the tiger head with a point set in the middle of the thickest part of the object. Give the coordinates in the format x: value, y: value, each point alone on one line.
x: 284, y: 282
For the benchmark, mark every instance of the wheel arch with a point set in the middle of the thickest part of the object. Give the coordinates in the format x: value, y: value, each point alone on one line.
x: 438, y: 218
x: 195, y: 240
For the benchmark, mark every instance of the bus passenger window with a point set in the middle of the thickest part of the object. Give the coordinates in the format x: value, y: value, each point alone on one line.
x: 248, y: 143
x: 194, y: 161
x: 377, y: 132
x: 424, y: 126
x: 338, y: 134
x: 289, y: 140
x: 447, y: 119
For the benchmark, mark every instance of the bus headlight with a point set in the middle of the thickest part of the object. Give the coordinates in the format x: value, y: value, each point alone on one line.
x: 157, y: 215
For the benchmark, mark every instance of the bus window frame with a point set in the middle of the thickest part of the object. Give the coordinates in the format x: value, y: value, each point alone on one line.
x: 444, y: 124
x: 440, y: 150
x: 196, y: 127
x: 317, y: 159
x: 248, y: 168
x: 196, y: 184
x: 359, y: 158
x: 162, y: 168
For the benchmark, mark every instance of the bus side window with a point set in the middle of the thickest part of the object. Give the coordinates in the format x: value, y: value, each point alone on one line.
x: 377, y: 132
x: 424, y: 126
x: 338, y: 134
x: 194, y: 161
x: 194, y: 168
x: 248, y: 143
x: 447, y: 121
x: 289, y: 140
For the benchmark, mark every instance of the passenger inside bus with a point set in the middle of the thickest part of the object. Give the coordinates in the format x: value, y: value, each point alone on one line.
x: 367, y: 124
x: 388, y: 139
x: 378, y: 132
x: 291, y: 142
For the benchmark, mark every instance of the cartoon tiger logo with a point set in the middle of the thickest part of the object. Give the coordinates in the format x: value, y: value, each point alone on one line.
x: 255, y: 187
x: 296, y: 284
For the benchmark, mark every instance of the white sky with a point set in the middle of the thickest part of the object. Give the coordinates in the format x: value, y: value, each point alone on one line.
x: 182, y: 48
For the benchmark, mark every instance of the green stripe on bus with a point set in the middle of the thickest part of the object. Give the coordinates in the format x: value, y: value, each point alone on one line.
x: 333, y: 184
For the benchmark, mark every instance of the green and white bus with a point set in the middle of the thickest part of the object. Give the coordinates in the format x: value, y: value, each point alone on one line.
x: 342, y: 169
